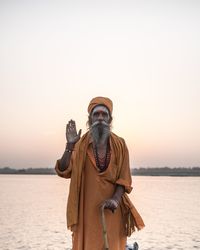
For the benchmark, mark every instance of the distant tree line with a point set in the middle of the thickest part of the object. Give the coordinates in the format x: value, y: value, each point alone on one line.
x: 164, y: 171
x: 8, y: 170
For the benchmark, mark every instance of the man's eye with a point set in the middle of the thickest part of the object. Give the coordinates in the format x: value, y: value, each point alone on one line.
x: 104, y: 114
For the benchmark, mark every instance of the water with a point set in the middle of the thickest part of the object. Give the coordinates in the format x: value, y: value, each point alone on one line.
x: 32, y: 212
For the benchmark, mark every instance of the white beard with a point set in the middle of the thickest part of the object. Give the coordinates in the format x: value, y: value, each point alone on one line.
x: 100, y: 132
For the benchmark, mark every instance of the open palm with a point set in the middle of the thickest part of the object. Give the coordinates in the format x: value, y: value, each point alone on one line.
x: 71, y: 133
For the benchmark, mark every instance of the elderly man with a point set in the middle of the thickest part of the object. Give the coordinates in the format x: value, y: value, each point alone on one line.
x: 98, y: 165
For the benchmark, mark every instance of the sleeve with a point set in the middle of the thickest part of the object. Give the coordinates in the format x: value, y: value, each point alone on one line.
x: 66, y: 173
x: 124, y: 178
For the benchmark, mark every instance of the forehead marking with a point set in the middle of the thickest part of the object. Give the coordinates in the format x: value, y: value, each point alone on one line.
x: 100, y: 108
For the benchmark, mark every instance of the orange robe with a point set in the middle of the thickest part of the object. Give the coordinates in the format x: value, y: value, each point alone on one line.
x: 93, y: 189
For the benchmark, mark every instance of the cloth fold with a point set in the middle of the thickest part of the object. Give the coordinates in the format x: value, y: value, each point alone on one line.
x: 131, y: 217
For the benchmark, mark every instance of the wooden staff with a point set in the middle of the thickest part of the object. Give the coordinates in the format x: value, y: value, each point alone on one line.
x: 105, y: 236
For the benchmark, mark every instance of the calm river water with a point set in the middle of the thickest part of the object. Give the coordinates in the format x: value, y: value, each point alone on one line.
x: 32, y: 212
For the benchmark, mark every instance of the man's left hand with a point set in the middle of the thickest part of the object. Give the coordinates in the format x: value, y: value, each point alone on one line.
x: 111, y: 204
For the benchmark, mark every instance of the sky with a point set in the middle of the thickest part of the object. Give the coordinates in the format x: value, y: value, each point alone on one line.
x: 55, y: 56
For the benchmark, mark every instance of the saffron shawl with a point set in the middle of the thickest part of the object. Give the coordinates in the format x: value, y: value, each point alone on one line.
x: 131, y: 217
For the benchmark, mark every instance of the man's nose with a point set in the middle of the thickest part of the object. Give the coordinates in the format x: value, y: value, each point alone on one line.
x: 100, y: 117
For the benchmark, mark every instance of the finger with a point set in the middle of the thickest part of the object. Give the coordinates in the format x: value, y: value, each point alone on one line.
x: 70, y: 123
x: 114, y: 204
x: 106, y: 203
x: 70, y: 129
x: 111, y: 205
x: 111, y: 208
x: 71, y: 126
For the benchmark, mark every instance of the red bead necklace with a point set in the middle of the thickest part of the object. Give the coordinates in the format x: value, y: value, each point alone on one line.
x: 102, y: 162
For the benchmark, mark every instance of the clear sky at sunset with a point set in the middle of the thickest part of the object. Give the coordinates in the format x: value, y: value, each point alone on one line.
x: 55, y: 56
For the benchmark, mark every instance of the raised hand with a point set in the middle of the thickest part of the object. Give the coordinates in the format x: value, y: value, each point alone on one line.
x: 71, y: 133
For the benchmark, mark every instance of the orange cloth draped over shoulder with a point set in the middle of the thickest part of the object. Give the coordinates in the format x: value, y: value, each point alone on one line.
x: 132, y: 219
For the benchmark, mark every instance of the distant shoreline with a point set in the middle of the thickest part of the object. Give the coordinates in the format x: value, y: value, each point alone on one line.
x: 165, y: 171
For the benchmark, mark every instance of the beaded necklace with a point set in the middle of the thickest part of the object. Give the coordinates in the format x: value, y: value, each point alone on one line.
x: 102, y: 162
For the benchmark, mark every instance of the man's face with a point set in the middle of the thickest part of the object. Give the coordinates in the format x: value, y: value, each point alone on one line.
x: 100, y: 124
x: 100, y: 114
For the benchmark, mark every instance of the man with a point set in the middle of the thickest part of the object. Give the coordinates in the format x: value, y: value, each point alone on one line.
x: 98, y: 165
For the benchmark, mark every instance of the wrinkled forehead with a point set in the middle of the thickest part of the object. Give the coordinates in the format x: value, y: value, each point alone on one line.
x: 100, y: 108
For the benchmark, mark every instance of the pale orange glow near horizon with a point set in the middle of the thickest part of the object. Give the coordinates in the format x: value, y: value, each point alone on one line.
x: 55, y: 57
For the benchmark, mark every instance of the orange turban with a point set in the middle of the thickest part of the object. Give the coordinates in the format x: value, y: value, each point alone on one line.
x: 100, y: 101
